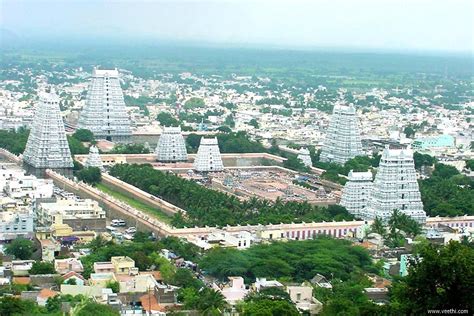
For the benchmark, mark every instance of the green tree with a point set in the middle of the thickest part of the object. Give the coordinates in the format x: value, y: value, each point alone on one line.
x: 114, y: 286
x: 423, y: 160
x: 166, y: 119
x: 470, y: 164
x: 92, y: 308
x: 90, y: 175
x: 409, y: 131
x: 378, y: 227
x: 444, y: 171
x: 254, y: 123
x: 83, y: 135
x: 194, y: 103
x: 20, y: 248
x: 76, y: 147
x: 440, y: 277
x: 41, y: 267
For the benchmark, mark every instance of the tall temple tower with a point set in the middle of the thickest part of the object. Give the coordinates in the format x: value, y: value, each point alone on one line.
x: 105, y: 113
x: 356, y: 192
x: 47, y: 145
x: 395, y: 187
x: 208, y: 157
x: 171, y: 146
x: 305, y: 157
x: 342, y: 141
x: 93, y: 159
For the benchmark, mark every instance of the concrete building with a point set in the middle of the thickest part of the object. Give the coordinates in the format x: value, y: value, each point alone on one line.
x: 171, y: 146
x: 93, y: 159
x: 342, y: 141
x: 77, y: 213
x: 16, y: 224
x: 234, y: 292
x: 105, y: 112
x: 395, y: 187
x: 123, y: 264
x: 436, y: 143
x: 208, y: 157
x: 356, y: 192
x: 302, y: 297
x: 305, y: 157
x: 47, y: 145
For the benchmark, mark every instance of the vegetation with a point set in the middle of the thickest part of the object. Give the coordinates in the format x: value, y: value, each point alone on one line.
x: 83, y: 135
x: 114, y: 286
x: 14, y: 141
x: 399, y: 225
x: 447, y: 192
x: 210, y: 207
x: 470, y: 164
x: 90, y: 175
x: 130, y: 149
x: 76, y: 147
x: 41, y: 267
x: 194, y: 103
x: 166, y: 119
x: 139, y: 205
x: 439, y: 277
x: 291, y: 260
x: 20, y: 248
x: 269, y: 301
x: 423, y: 160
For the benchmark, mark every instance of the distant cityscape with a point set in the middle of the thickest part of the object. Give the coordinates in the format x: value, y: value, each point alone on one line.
x: 189, y: 192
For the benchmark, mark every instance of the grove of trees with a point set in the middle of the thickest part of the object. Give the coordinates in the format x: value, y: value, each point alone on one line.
x: 210, y: 207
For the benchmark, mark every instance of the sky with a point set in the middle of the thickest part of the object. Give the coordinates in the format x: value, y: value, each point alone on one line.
x: 401, y: 25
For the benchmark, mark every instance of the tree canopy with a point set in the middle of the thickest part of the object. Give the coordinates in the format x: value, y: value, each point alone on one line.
x: 83, y: 135
x: 21, y: 248
x: 90, y: 175
x: 210, y: 207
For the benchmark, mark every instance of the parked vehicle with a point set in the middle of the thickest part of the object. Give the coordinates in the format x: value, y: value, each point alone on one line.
x: 131, y: 230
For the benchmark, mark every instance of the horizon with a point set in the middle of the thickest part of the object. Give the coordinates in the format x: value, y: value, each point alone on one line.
x: 230, y: 24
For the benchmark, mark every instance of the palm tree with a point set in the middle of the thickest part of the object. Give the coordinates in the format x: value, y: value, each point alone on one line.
x: 212, y: 302
x: 378, y: 227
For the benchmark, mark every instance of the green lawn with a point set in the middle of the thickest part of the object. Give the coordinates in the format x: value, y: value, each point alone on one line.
x: 155, y: 212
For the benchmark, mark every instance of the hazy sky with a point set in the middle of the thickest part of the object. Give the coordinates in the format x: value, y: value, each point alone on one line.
x: 419, y: 25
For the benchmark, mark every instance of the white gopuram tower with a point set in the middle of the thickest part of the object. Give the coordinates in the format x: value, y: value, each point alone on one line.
x: 105, y: 113
x: 395, y: 187
x: 93, y: 159
x: 342, y: 141
x: 356, y: 192
x: 208, y: 157
x: 47, y: 145
x: 171, y: 146
x: 305, y: 157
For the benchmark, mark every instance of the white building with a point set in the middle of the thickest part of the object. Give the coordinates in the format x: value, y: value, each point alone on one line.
x: 47, y: 145
x: 93, y: 159
x: 14, y: 224
x: 208, y: 157
x: 105, y: 113
x: 395, y: 187
x: 342, y: 141
x: 62, y: 210
x: 305, y: 157
x: 356, y: 192
x: 171, y: 146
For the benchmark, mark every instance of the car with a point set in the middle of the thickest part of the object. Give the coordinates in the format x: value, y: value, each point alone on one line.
x: 131, y: 230
x: 118, y: 223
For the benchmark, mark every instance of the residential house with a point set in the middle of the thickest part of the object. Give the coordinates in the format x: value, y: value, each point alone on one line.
x: 302, y: 297
x: 64, y: 266
x: 104, y: 267
x: 43, y: 296
x: 123, y: 264
x: 72, y: 275
x: 233, y: 292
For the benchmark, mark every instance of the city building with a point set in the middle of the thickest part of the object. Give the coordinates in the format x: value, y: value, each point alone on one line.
x: 208, y: 157
x: 235, y: 291
x: 356, y: 192
x: 79, y: 214
x: 342, y: 141
x: 104, y: 113
x: 171, y: 146
x: 305, y: 157
x: 122, y: 264
x: 395, y: 187
x: 435, y: 143
x: 16, y: 224
x: 93, y: 159
x: 47, y: 145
